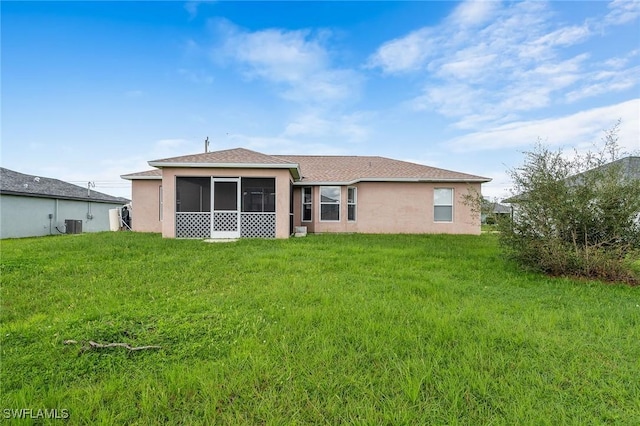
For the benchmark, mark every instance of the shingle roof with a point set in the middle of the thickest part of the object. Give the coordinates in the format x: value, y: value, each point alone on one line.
x: 344, y: 169
x: 227, y: 156
x: 500, y: 208
x: 316, y: 168
x: 630, y: 167
x: 232, y: 158
x: 15, y: 183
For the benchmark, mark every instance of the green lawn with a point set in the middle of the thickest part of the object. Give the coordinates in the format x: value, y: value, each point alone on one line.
x: 326, y: 329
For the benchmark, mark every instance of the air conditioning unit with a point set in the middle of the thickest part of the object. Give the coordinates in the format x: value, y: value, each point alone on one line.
x: 73, y: 226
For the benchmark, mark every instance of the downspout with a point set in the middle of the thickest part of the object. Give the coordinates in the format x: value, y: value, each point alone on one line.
x: 56, y: 218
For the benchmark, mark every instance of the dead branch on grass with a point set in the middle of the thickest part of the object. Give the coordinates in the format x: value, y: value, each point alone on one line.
x: 95, y: 345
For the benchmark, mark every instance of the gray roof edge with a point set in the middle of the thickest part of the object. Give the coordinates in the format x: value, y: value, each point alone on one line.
x: 12, y: 183
x: 116, y: 200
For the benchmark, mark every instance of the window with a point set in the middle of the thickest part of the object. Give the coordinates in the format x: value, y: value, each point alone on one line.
x: 307, y: 203
x: 258, y: 195
x: 330, y: 203
x: 351, y: 203
x: 193, y: 194
x: 443, y: 205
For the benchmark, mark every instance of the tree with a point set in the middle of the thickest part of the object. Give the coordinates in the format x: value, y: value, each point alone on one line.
x: 576, y: 215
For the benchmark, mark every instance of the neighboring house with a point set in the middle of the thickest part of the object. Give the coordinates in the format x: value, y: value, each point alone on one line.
x: 493, y: 211
x: 33, y: 206
x: 242, y: 193
x: 629, y: 168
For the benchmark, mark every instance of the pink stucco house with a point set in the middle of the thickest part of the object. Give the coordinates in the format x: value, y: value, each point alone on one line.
x: 241, y: 193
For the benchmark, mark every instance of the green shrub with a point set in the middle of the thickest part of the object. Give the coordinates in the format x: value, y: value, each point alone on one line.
x: 575, y: 216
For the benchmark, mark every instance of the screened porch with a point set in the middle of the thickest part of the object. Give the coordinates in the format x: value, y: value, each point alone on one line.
x: 223, y: 207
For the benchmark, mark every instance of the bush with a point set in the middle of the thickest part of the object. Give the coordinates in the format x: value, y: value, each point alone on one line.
x: 575, y: 216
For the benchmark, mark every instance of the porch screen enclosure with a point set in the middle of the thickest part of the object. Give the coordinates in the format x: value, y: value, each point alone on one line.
x: 217, y: 207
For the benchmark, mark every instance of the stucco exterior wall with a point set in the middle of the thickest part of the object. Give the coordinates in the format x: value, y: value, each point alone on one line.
x: 169, y: 175
x: 22, y: 216
x: 394, y: 207
x: 297, y: 207
x: 382, y: 207
x: 146, y: 206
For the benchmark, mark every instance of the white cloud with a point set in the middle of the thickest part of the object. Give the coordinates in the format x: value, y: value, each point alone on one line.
x: 166, y: 148
x: 192, y: 7
x: 477, y: 104
x: 472, y: 13
x: 352, y: 129
x: 283, y: 145
x: 606, y: 82
x: 465, y: 67
x: 569, y: 131
x: 622, y: 12
x: 415, y: 50
x: 490, y: 63
x: 297, y: 62
x: 565, y: 36
x: 405, y: 54
x: 560, y: 68
x: 316, y: 125
x: 500, y: 185
x: 455, y: 99
x: 307, y: 125
x: 279, y: 55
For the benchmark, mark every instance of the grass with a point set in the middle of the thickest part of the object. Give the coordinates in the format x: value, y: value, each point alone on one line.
x: 327, y: 329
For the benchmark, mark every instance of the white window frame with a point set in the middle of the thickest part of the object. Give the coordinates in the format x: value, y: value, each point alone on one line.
x: 443, y: 205
x: 338, y: 203
x: 352, y: 202
x: 310, y: 204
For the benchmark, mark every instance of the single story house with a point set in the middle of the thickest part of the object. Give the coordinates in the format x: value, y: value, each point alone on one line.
x: 493, y: 211
x: 628, y: 167
x: 32, y: 206
x: 242, y: 193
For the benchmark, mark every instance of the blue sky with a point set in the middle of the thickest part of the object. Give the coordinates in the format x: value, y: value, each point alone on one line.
x: 93, y: 90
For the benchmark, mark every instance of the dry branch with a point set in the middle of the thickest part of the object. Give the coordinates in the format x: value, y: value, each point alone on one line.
x: 122, y: 345
x: 95, y: 345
